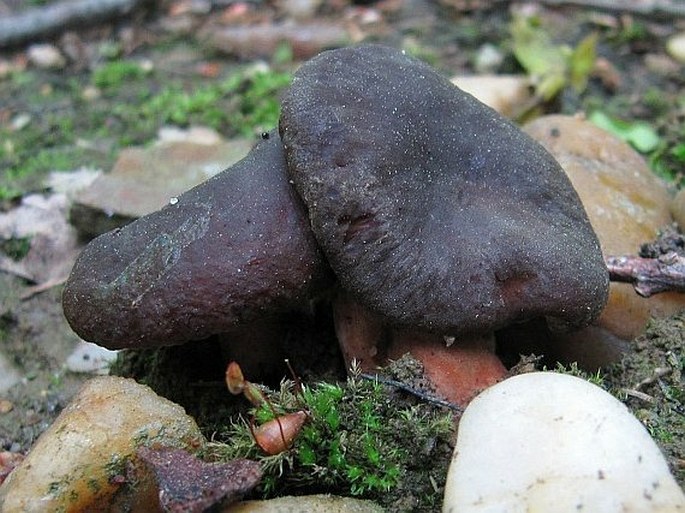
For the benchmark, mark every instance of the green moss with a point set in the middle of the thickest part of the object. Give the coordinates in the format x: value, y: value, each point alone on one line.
x: 66, y: 131
x: 596, y: 378
x: 650, y: 381
x: 358, y: 440
x: 117, y: 73
x: 16, y: 248
x: 243, y: 103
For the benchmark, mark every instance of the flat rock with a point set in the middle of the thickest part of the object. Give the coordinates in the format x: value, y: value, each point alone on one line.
x: 627, y: 205
x: 678, y: 209
x: 143, y: 180
x: 309, y: 503
x: 52, y: 240
x: 79, y: 463
x: 551, y: 442
x: 260, y: 41
x: 504, y: 93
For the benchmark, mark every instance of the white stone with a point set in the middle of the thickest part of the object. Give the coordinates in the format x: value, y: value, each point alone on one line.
x: 488, y: 58
x: 548, y: 442
x: 89, y: 358
x: 70, y: 183
x: 675, y: 46
x: 308, y: 503
x: 504, y: 93
x: 46, y: 56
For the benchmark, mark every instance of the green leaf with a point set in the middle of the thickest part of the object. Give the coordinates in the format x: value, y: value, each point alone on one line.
x: 678, y: 152
x: 638, y: 134
x: 582, y: 61
x: 538, y: 55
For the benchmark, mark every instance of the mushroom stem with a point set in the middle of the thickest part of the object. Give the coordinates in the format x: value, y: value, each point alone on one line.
x: 457, y: 371
x: 359, y: 332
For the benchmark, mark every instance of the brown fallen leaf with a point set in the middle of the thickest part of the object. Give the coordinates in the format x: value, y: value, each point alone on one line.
x: 189, y: 485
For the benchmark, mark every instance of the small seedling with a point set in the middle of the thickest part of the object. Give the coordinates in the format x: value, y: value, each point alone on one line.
x: 359, y: 438
x: 276, y: 435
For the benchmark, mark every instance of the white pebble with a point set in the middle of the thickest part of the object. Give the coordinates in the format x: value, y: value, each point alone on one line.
x: 46, y: 56
x: 90, y: 359
x: 675, y: 46
x: 552, y: 442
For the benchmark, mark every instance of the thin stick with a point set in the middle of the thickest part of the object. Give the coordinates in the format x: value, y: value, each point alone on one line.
x: 643, y: 7
x: 51, y: 19
x: 406, y: 388
x: 29, y: 292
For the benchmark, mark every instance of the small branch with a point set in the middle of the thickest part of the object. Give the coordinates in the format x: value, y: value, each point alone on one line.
x: 51, y: 19
x: 643, y: 7
x: 29, y: 292
x: 658, y: 373
x: 649, y: 275
x: 406, y: 388
x: 638, y: 395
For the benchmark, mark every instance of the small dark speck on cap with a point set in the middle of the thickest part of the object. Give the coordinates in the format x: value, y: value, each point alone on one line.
x: 555, y: 132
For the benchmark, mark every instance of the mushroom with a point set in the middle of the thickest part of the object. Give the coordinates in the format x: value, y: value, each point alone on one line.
x: 439, y: 218
x: 220, y: 255
x: 435, y: 212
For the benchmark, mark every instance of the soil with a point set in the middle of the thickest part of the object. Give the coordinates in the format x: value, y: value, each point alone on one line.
x: 33, y: 332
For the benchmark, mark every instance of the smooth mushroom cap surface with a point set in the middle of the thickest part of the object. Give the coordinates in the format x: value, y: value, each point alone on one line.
x: 432, y: 209
x: 230, y: 249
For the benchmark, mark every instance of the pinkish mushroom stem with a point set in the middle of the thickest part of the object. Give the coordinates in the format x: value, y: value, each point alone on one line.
x: 458, y: 369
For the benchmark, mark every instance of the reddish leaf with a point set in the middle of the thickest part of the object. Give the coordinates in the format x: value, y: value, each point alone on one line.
x: 189, y: 485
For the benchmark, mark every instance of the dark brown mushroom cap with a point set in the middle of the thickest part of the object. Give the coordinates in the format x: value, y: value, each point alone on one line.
x: 433, y: 209
x: 231, y: 248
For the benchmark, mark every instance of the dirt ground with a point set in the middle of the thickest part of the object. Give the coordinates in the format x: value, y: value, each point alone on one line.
x: 449, y: 34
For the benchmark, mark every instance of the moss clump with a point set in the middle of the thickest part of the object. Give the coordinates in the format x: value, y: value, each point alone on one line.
x: 16, y: 248
x: 649, y: 380
x: 243, y: 103
x: 360, y: 439
x: 117, y: 73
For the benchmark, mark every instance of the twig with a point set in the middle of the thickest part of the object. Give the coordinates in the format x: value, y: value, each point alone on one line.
x: 649, y: 275
x: 658, y: 373
x: 29, y: 292
x: 421, y: 395
x: 643, y: 7
x: 54, y: 18
x: 639, y: 395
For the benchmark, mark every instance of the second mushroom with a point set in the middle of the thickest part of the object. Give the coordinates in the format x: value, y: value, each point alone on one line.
x: 440, y: 220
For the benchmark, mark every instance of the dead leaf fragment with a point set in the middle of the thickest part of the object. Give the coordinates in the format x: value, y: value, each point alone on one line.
x: 8, y: 461
x: 189, y: 485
